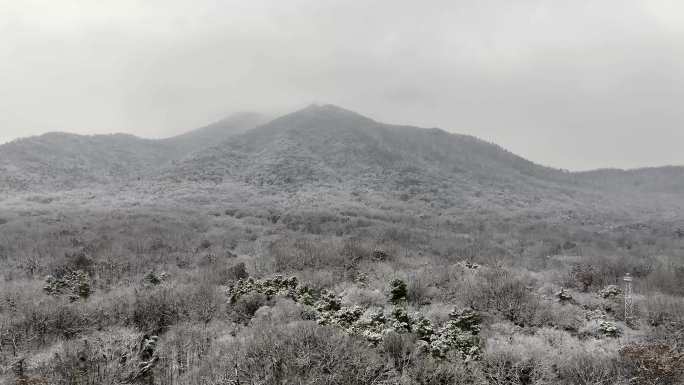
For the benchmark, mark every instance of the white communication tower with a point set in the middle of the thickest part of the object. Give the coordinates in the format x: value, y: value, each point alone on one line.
x: 629, y: 304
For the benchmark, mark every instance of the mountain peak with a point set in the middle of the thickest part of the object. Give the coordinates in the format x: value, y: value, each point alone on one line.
x: 328, y: 112
x: 325, y: 107
x: 319, y: 116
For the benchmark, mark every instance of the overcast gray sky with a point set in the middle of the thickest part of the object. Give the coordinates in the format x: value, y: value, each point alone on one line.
x: 572, y: 84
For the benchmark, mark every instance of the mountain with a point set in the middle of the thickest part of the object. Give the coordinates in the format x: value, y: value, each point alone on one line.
x: 217, y: 132
x: 668, y: 179
x: 58, y: 161
x: 324, y: 146
x: 63, y: 161
x: 330, y: 145
x: 319, y: 146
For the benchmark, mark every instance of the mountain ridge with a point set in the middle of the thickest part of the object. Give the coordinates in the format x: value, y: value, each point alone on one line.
x: 336, y: 135
x: 58, y: 160
x: 319, y: 144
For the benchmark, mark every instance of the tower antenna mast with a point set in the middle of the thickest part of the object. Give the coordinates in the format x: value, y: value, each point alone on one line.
x: 629, y: 304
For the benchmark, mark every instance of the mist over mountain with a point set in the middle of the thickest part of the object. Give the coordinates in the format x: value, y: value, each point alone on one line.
x: 214, y: 133
x: 320, y: 145
x: 330, y: 146
x: 57, y: 161
x: 63, y: 161
x: 326, y: 145
x: 651, y: 179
